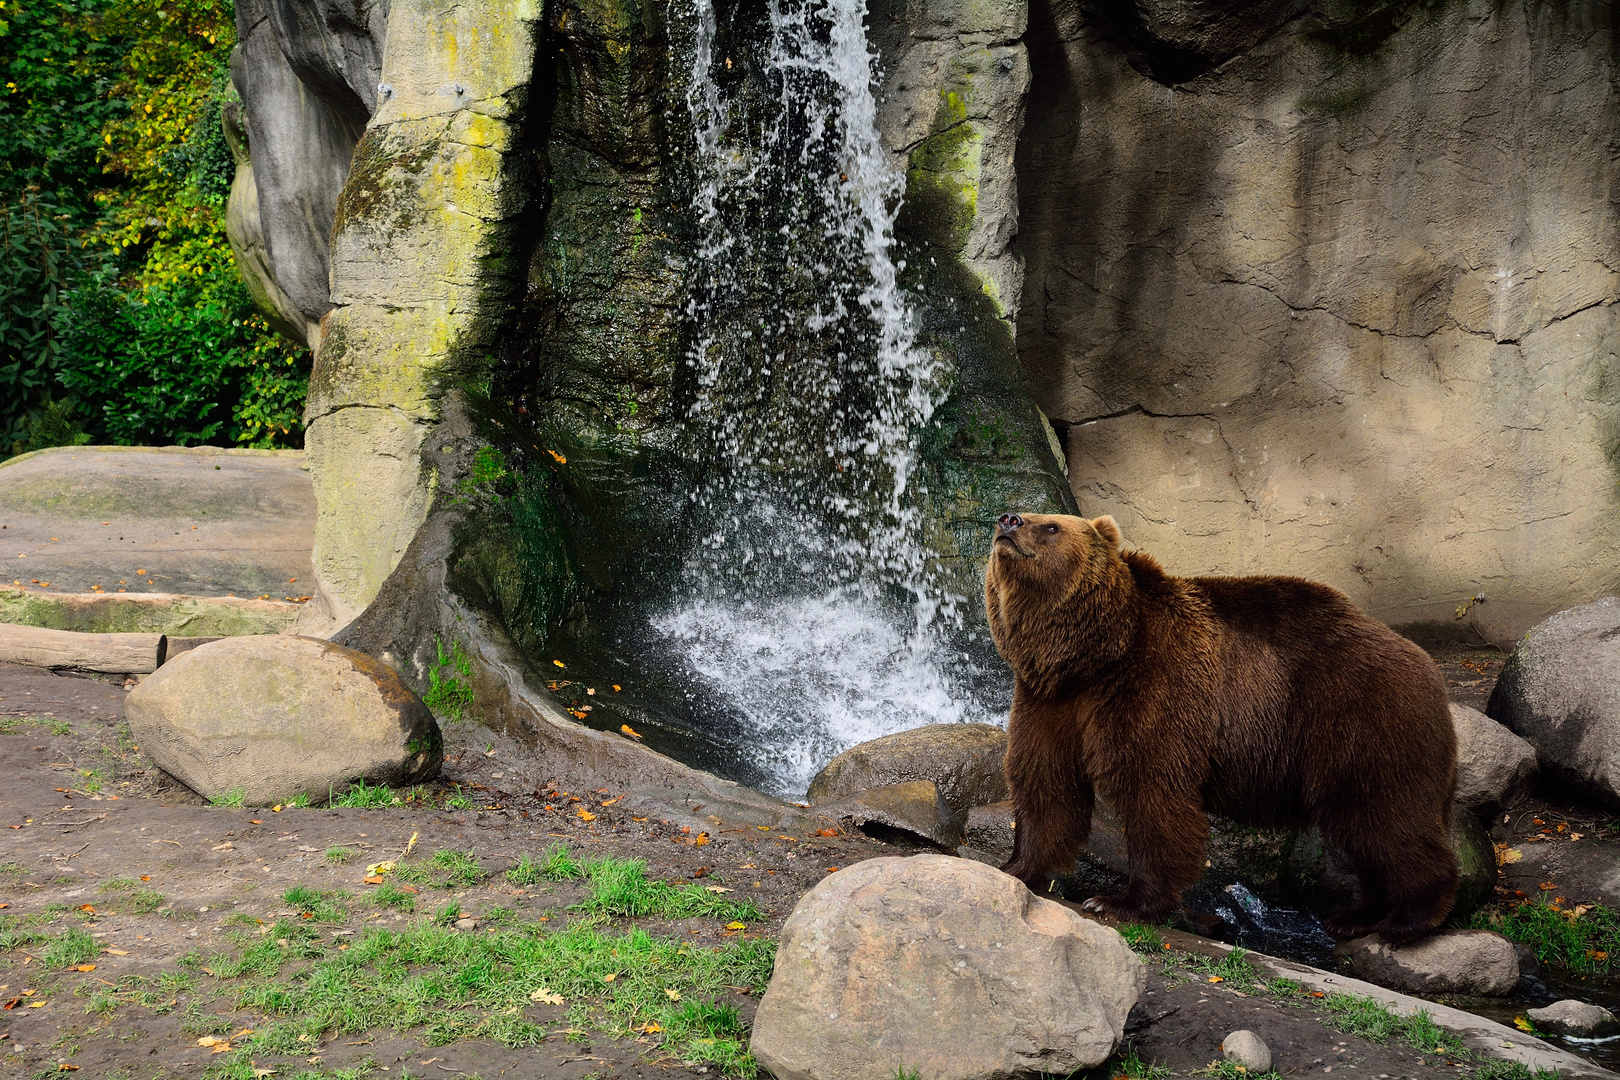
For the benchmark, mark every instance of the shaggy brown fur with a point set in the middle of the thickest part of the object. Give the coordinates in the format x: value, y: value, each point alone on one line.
x: 1272, y: 701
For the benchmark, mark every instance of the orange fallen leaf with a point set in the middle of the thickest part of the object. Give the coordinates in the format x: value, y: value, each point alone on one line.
x: 65, y: 1067
x: 827, y: 832
x: 85, y: 967
x: 1547, y: 886
x: 1216, y: 979
x: 628, y: 730
x: 559, y: 663
x: 148, y: 877
x: 700, y: 839
x: 376, y: 879
x: 91, y: 908
x: 615, y: 687
x: 585, y: 815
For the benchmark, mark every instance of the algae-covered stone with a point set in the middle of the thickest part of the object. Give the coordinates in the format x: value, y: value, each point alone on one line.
x: 277, y: 717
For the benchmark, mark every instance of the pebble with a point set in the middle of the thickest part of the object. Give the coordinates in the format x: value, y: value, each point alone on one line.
x: 1247, y: 1049
x: 466, y: 924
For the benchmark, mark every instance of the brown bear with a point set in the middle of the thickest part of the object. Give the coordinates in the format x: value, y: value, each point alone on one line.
x: 1271, y: 701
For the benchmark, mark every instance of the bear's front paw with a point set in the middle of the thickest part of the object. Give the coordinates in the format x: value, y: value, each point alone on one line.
x: 1112, y: 906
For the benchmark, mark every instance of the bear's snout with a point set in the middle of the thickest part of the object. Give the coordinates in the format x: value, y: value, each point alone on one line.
x: 1009, y: 522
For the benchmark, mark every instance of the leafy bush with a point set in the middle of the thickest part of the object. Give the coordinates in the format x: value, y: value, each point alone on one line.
x: 1583, y: 937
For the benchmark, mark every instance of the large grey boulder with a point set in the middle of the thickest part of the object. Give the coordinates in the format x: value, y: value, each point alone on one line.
x: 965, y: 760
x: 945, y: 967
x: 1449, y: 962
x: 273, y: 717
x: 1560, y: 689
x: 1494, y: 766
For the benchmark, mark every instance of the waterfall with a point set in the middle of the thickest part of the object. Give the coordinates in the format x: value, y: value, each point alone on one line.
x: 808, y: 607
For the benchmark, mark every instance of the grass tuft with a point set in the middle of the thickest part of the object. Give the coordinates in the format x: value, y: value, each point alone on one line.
x: 1142, y: 939
x: 236, y: 797
x: 1583, y: 938
x: 363, y: 796
x: 73, y: 946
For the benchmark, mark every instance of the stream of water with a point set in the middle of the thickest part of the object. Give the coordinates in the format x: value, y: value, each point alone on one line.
x: 807, y: 608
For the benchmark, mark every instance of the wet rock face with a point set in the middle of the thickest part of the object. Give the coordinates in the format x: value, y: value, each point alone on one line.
x: 952, y: 968
x: 1560, y: 689
x: 272, y: 717
x: 914, y: 808
x: 1448, y: 962
x: 1284, y: 328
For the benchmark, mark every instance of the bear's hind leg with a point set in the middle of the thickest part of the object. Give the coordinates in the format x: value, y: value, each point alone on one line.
x: 1407, y: 876
x: 1050, y: 828
x: 1371, y: 907
x: 1421, y: 897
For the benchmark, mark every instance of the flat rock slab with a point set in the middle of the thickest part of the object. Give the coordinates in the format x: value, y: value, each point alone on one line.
x: 1447, y: 962
x: 199, y: 521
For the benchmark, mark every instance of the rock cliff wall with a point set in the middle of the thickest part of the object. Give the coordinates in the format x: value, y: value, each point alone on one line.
x: 1335, y: 296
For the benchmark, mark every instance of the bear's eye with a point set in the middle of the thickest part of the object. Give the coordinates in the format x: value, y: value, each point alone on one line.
x: 1051, y: 528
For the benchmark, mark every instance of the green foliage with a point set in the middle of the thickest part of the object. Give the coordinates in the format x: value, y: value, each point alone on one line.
x: 316, y: 905
x: 450, y: 692
x: 390, y: 895
x: 339, y: 854
x: 364, y: 796
x: 1231, y: 1070
x: 1373, y: 1020
x: 1142, y: 939
x: 1584, y: 938
x: 73, y: 946
x: 1130, y: 1064
x: 121, y: 317
x: 447, y: 869
x: 234, y: 797
x: 1513, y: 1070
x: 525, y: 872
x: 620, y: 887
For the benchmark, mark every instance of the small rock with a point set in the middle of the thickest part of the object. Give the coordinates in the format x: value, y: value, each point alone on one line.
x: 276, y: 716
x: 914, y: 807
x: 1560, y: 689
x: 1247, y: 1049
x: 989, y: 831
x: 1494, y: 766
x: 964, y: 760
x: 1571, y: 1017
x: 947, y: 966
x: 466, y: 924
x: 1448, y: 962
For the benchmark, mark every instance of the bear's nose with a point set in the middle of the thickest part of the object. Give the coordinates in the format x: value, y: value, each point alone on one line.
x: 1009, y: 522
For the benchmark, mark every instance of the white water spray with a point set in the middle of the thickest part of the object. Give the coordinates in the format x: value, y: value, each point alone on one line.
x: 810, y: 603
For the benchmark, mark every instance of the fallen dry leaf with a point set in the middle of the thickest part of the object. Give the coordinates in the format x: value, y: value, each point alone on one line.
x: 585, y: 815
x: 379, y: 868
x: 628, y: 730
x: 546, y: 997
x: 672, y: 994
x: 716, y: 888
x: 84, y: 967
x: 38, y: 1004
x: 736, y: 926
x: 116, y: 952
x: 610, y: 976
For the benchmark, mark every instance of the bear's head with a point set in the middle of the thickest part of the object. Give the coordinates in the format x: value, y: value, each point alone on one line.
x: 1058, y: 595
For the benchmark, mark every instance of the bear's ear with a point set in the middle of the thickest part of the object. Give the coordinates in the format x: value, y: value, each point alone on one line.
x: 1107, y: 529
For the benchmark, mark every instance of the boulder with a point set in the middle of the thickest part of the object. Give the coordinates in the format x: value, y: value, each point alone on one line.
x: 275, y: 717
x: 945, y: 967
x: 1577, y: 1018
x: 1247, y: 1049
x: 989, y: 831
x: 915, y: 807
x: 1447, y: 962
x: 1560, y: 689
x: 965, y: 760
x: 1494, y: 766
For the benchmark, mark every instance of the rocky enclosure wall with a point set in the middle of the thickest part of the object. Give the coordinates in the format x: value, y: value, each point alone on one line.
x: 1305, y: 300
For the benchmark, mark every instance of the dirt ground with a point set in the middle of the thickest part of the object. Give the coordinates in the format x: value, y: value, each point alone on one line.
x: 88, y: 829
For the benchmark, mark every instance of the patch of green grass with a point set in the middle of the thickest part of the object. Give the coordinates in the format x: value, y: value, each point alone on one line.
x: 61, y: 727
x: 1584, y: 938
x: 11, y: 868
x: 445, y: 870
x: 143, y: 901
x: 72, y: 946
x: 525, y: 872
x: 364, y: 796
x: 1129, y: 1063
x: 1373, y: 1020
x: 1142, y: 939
x: 458, y: 801
x: 1282, y: 987
x: 450, y: 691
x: 448, y: 913
x: 236, y: 797
x: 390, y: 895
x: 16, y: 931
x: 1231, y: 969
x: 14, y: 725
x: 317, y: 905
x: 454, y: 986
x: 299, y: 801
x: 118, y: 884
x: 1513, y: 1070
x: 620, y: 887
x: 339, y: 854
x: 1231, y: 1070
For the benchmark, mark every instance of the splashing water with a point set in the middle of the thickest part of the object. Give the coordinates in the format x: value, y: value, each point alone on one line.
x: 810, y: 604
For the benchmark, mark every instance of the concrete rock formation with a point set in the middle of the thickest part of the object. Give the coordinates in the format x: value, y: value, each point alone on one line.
x: 965, y: 760
x: 1560, y: 689
x: 273, y: 717
x: 1494, y: 766
x: 1577, y: 1018
x: 1334, y: 299
x: 943, y: 966
x: 307, y: 71
x: 1448, y: 962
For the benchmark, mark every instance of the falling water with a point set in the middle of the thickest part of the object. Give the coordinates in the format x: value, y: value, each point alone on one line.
x: 810, y: 604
